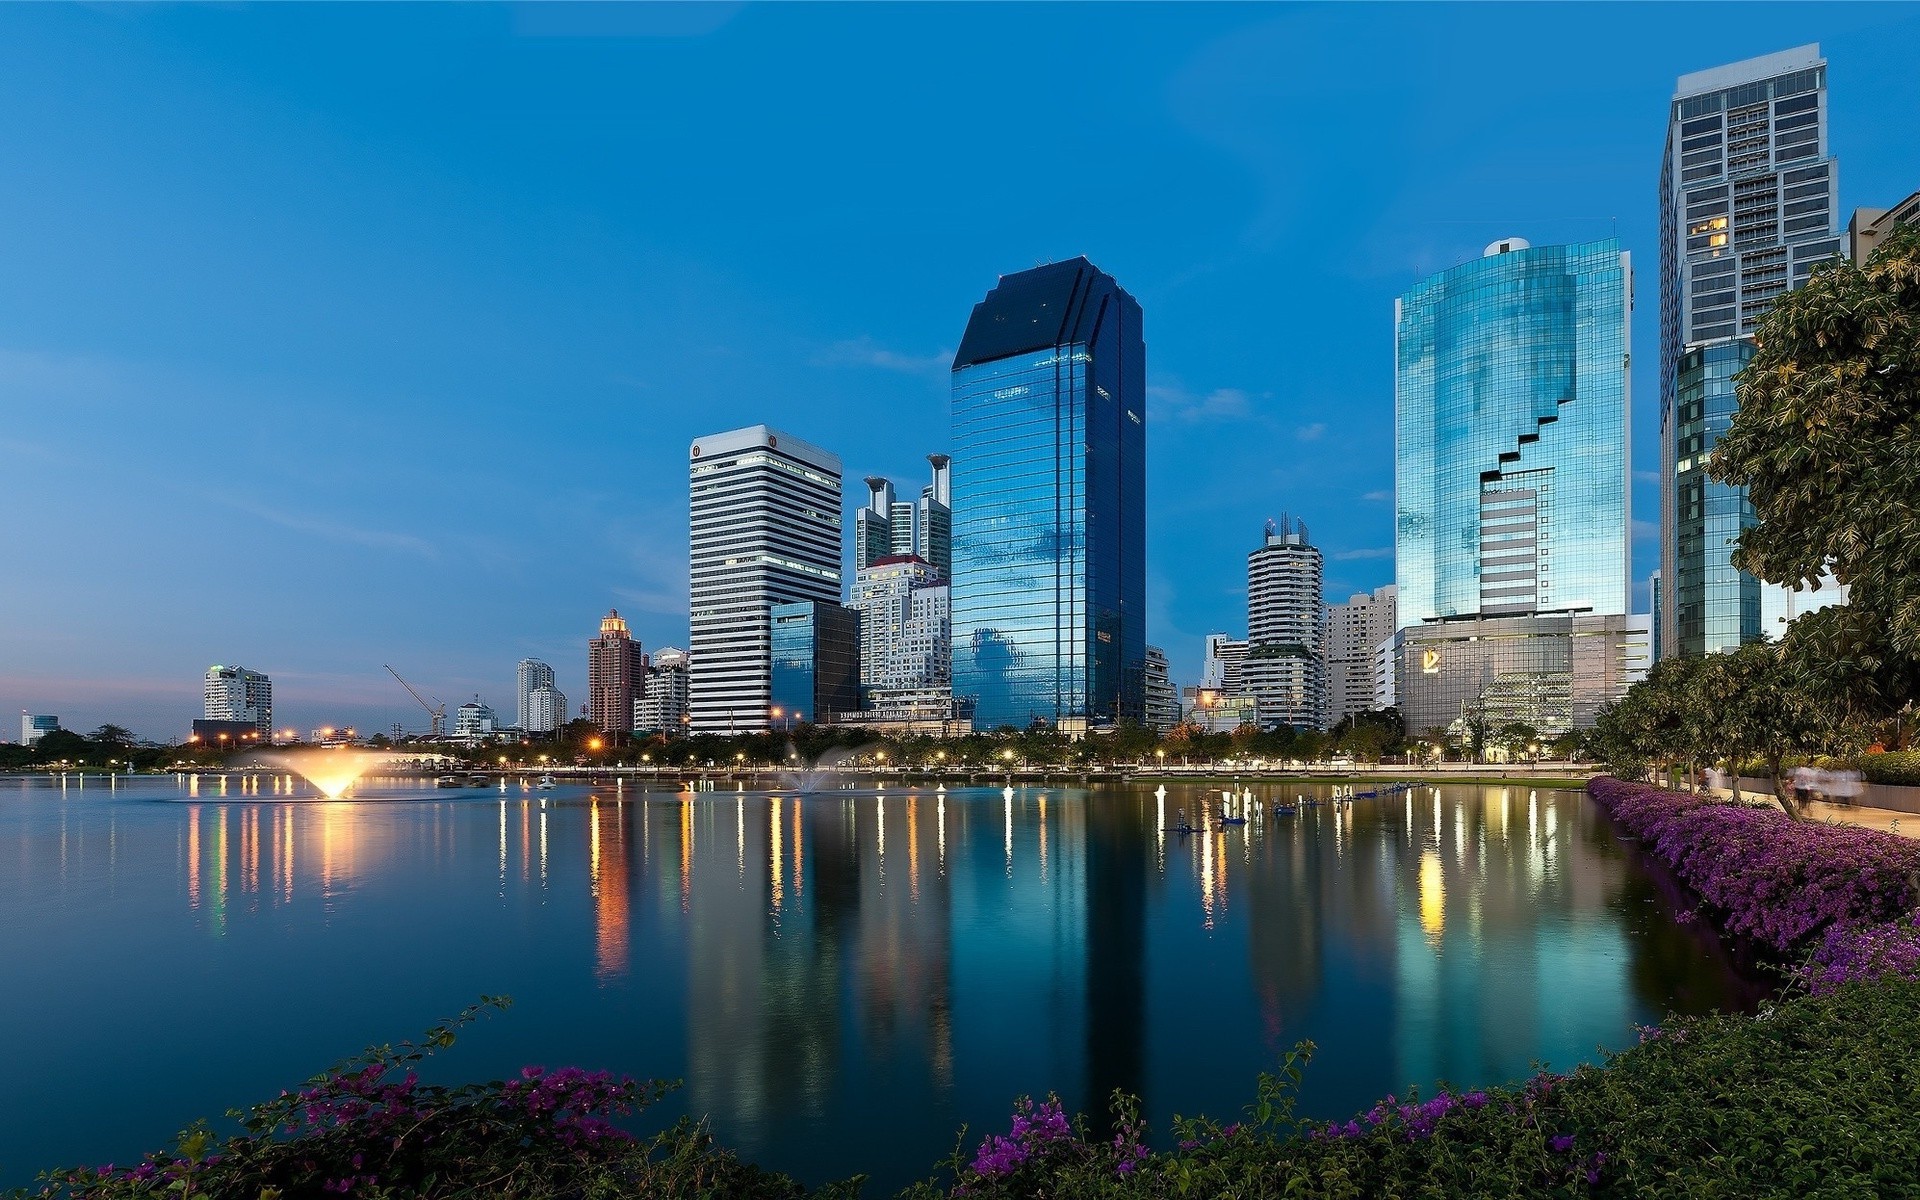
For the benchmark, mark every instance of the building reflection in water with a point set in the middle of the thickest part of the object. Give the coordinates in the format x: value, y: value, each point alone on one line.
x: 919, y: 957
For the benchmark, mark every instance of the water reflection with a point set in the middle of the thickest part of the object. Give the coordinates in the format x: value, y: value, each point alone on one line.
x: 855, y: 973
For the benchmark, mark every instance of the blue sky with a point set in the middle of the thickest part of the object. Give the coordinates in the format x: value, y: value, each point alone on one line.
x: 339, y: 336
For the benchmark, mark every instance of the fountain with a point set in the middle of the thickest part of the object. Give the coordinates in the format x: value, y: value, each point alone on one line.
x: 814, y: 778
x: 331, y: 769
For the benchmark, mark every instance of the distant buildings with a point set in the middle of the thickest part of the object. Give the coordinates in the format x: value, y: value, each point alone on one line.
x: 546, y: 708
x: 1225, y: 656
x: 663, y: 706
x: 1749, y: 196
x: 906, y: 621
x: 1163, y: 703
x: 889, y: 528
x: 237, y: 694
x: 616, y: 668
x: 816, y: 663
x: 765, y: 530
x: 474, y: 721
x: 1511, y: 487
x: 531, y: 676
x: 34, y: 727
x: 1355, y: 630
x: 1049, y: 502
x: 1216, y: 711
x: 1283, y: 668
x: 1869, y: 225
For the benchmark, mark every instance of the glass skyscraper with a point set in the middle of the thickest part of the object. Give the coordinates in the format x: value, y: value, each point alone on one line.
x: 1049, y: 502
x: 1748, y: 208
x: 1510, y: 462
x: 815, y: 663
x: 1511, y: 478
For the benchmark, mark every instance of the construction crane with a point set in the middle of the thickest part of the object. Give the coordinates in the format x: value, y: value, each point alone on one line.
x: 437, y: 710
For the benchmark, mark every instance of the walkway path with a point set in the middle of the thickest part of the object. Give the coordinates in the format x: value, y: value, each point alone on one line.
x: 1886, y: 820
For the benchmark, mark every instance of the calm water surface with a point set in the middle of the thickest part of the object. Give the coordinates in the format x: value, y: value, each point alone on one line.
x: 841, y: 980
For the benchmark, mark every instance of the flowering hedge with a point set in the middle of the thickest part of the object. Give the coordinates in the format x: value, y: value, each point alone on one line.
x: 1782, y: 882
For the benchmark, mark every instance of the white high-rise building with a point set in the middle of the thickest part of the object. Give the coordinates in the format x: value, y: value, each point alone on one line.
x: 34, y: 726
x: 662, y: 707
x: 474, y: 720
x: 906, y: 617
x: 237, y: 694
x: 532, y: 676
x: 1221, y: 671
x: 885, y: 527
x: 1354, y: 633
x: 1282, y: 670
x: 765, y: 530
x: 546, y: 709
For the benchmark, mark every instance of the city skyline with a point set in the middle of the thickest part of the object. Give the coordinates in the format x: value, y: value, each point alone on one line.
x: 380, y: 428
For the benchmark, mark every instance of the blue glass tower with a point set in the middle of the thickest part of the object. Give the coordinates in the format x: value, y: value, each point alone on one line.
x: 1511, y: 434
x: 1510, y: 395
x: 815, y: 663
x: 1049, y: 502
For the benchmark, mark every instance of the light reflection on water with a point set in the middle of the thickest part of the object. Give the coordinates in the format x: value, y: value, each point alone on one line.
x: 836, y: 997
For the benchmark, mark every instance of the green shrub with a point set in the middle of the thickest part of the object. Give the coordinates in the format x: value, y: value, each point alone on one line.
x: 1898, y: 767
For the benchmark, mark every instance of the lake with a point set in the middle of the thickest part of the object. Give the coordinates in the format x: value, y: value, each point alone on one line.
x: 842, y: 980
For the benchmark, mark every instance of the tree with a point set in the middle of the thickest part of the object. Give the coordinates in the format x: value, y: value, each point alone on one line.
x: 62, y: 745
x: 1767, y: 711
x: 111, y: 738
x: 1827, y: 438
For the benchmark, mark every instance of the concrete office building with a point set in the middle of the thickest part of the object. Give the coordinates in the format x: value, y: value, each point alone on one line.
x: 531, y: 675
x: 1163, y: 703
x: 1355, y: 630
x: 616, y: 669
x: 662, y: 708
x: 888, y: 528
x: 237, y: 694
x: 1869, y: 225
x: 765, y: 530
x: 1749, y: 197
x: 1283, y: 667
x: 546, y: 709
x: 905, y: 609
x: 1221, y: 670
x: 34, y: 726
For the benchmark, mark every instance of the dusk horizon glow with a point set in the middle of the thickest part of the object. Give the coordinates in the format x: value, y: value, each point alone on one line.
x: 336, y: 337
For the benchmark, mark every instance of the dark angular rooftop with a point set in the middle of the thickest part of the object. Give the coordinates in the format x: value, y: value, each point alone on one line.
x: 1055, y: 305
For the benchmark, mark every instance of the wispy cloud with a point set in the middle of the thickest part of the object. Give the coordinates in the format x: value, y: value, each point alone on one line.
x: 1645, y: 531
x: 1311, y: 433
x: 338, y: 531
x: 1175, y: 403
x: 1368, y: 552
x: 1646, y: 477
x: 865, y: 352
x: 1379, y: 496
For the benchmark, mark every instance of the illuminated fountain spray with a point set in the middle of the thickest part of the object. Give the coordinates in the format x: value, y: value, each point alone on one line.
x: 816, y: 778
x: 331, y: 769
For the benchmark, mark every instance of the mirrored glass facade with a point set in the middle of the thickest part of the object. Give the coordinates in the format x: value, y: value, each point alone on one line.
x: 816, y: 663
x: 1511, y: 434
x: 1049, y: 502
